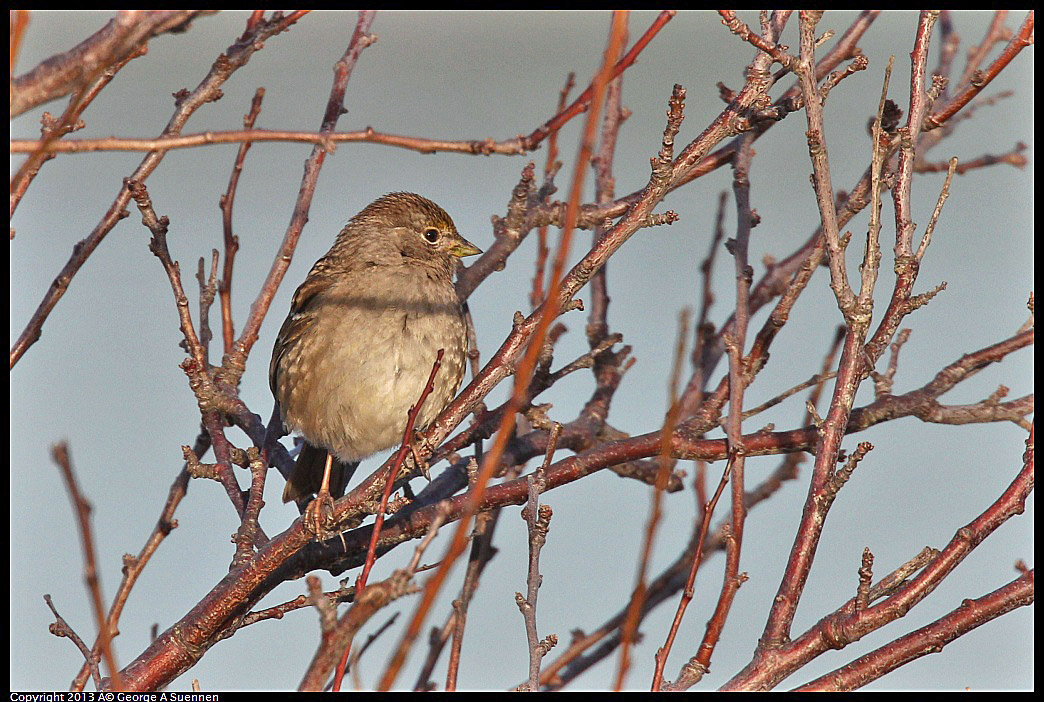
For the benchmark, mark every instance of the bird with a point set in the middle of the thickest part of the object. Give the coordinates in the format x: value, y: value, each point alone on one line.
x: 362, y: 336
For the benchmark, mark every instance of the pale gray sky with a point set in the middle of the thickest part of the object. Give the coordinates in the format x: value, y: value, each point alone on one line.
x: 105, y: 377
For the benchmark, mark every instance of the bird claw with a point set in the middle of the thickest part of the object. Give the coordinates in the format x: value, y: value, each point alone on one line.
x: 318, y: 516
x: 417, y: 465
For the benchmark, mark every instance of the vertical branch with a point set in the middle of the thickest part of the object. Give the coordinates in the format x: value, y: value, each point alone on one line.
x: 919, y: 105
x: 692, y: 396
x: 551, y: 166
x: 389, y: 481
x: 361, y: 38
x: 82, y: 508
x: 248, y: 533
x: 201, y: 381
x: 548, y: 312
x: 481, y: 552
x: 735, y: 341
x: 851, y: 369
x: 538, y: 522
x: 777, y: 628
x: 872, y: 255
x: 231, y: 240
x: 821, y: 180
x: 629, y: 630
x: 597, y: 325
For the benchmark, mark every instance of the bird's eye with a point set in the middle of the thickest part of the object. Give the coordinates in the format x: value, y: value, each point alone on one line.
x: 431, y: 235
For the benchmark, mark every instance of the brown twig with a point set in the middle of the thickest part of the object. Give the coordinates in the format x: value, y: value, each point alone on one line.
x: 1014, y: 158
x: 482, y: 551
x: 248, y: 535
x: 209, y: 397
x: 400, y: 457
x: 551, y: 166
x: 82, y: 509
x: 342, y: 594
x: 605, y: 184
x: 629, y: 630
x: 931, y: 638
x: 353, y: 663
x: 538, y: 522
x: 231, y: 240
x: 734, y: 472
x: 978, y: 80
x: 61, y: 628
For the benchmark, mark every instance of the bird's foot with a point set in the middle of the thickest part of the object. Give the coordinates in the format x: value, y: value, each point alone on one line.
x: 414, y: 462
x: 318, y: 515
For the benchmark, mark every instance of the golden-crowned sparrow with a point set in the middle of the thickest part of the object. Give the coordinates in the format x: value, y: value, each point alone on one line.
x: 362, y: 336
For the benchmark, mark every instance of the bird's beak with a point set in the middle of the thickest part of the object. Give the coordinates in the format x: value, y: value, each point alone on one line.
x: 462, y: 247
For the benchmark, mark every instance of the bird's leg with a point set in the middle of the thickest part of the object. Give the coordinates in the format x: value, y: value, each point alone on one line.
x: 418, y: 464
x: 319, y: 510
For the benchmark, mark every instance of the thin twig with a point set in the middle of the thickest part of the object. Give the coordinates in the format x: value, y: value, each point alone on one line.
x: 82, y: 509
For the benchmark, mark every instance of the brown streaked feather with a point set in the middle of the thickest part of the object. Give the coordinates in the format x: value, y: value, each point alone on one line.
x: 298, y: 320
